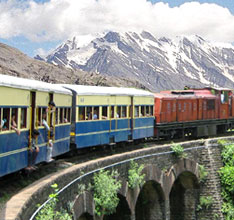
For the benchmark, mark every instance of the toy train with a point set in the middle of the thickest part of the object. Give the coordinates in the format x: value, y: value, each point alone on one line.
x: 88, y: 116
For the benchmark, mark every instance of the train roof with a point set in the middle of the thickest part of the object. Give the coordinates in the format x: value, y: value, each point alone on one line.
x: 29, y: 84
x: 100, y: 90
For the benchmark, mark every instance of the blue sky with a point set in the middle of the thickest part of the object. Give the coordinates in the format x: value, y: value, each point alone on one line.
x: 225, y: 3
x: 39, y: 26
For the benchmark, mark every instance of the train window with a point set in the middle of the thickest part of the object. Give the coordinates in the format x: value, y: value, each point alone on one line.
x: 81, y: 113
x: 68, y: 114
x: 124, y: 111
x: 96, y: 113
x: 89, y: 113
x: 118, y: 112
x: 151, y: 110
x: 65, y: 115
x: 56, y: 115
x: 23, y: 118
x: 142, y: 111
x: 112, y: 111
x: 39, y: 115
x: 6, y: 118
x: 147, y: 110
x: 210, y: 104
x: 1, y: 122
x: 104, y: 112
x: 136, y: 111
x: 14, y: 118
x: 185, y: 106
x: 61, y: 115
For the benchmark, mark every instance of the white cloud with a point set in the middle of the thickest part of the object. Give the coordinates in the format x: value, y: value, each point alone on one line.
x: 62, y: 19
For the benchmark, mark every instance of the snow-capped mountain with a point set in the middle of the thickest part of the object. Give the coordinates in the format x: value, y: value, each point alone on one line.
x: 157, y: 63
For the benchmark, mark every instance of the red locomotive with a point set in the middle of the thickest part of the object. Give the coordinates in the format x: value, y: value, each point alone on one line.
x: 194, y: 112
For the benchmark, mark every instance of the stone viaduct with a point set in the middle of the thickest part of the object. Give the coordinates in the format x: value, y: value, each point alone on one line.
x: 171, y: 190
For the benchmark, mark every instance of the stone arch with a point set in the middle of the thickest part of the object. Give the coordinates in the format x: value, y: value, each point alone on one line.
x: 150, y: 203
x: 122, y: 210
x: 85, y: 216
x: 84, y: 206
x: 183, y: 189
x: 184, y: 165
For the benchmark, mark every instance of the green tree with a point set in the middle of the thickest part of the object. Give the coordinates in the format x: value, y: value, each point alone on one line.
x: 106, y: 186
x: 135, y: 176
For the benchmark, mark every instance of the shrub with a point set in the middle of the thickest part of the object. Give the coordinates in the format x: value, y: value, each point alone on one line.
x: 205, y: 202
x: 135, y: 176
x: 178, y: 151
x: 105, y: 189
x: 202, y: 173
x: 48, y: 212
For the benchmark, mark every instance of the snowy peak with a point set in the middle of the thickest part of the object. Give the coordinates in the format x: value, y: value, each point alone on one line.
x: 159, y: 63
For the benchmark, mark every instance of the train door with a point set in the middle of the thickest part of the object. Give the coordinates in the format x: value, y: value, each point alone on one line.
x: 32, y: 113
x: 131, y: 117
x: 113, y: 119
x: 51, y: 119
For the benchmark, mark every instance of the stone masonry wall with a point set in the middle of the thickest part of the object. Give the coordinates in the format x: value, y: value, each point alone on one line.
x: 204, y: 152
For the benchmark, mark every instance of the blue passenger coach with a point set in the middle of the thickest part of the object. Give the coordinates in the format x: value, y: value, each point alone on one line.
x: 22, y: 102
x: 106, y: 115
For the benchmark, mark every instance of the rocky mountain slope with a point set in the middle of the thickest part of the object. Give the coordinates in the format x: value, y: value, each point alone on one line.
x: 15, y: 63
x: 157, y: 63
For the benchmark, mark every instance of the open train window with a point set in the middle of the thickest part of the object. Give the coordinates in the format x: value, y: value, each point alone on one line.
x: 147, y: 110
x: 14, y: 117
x: 1, y: 121
x: 61, y: 115
x: 6, y: 119
x: 136, y: 111
x: 68, y: 114
x: 142, y: 111
x: 81, y: 113
x: 124, y: 111
x: 89, y: 113
x: 56, y: 115
x: 23, y: 118
x: 118, y: 112
x: 104, y: 112
x: 112, y: 111
x: 151, y: 110
x: 96, y: 113
x: 210, y: 104
x: 39, y: 117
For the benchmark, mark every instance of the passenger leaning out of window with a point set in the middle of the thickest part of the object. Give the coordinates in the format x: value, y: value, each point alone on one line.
x: 14, y: 124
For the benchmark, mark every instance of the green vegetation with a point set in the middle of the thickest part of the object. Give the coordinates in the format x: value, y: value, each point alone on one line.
x: 105, y: 189
x: 205, y: 202
x: 227, y: 180
x: 202, y: 173
x: 135, y: 176
x: 49, y: 211
x: 178, y: 151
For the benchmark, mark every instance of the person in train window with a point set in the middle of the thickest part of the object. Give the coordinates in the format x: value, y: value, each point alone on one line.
x: 33, y: 151
x: 95, y: 117
x: 13, y: 124
x: 3, y: 124
x: 44, y: 122
x: 50, y: 142
x: 52, y: 106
